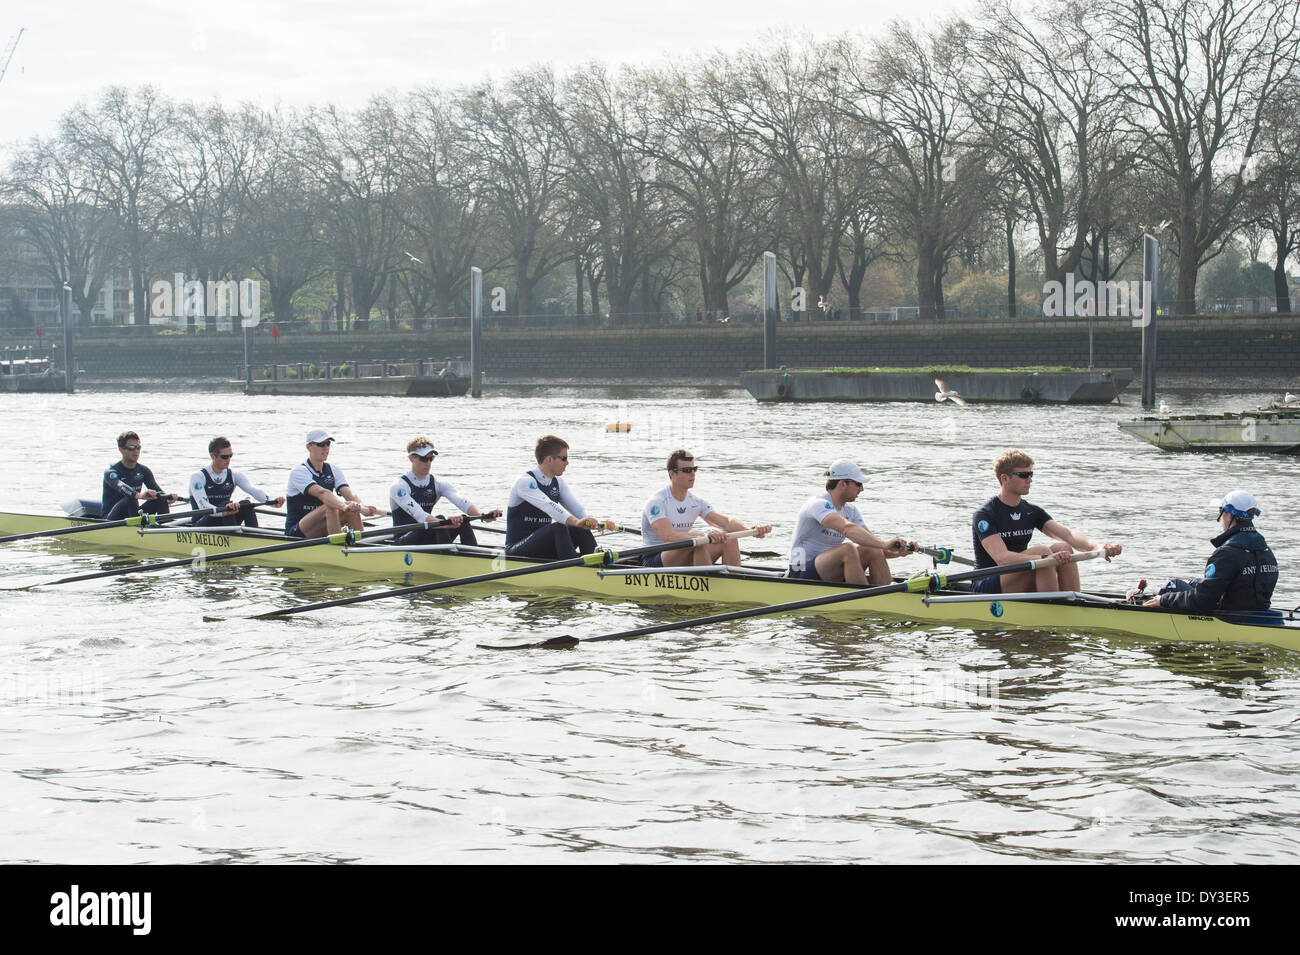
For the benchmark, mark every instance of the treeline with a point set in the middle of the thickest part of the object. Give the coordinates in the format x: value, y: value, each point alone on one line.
x: 1046, y: 139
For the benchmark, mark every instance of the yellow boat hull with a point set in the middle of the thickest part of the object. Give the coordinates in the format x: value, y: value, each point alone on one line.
x: 664, y: 586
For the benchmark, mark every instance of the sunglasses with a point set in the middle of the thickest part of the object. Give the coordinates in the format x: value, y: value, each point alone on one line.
x: 1023, y: 475
x: 321, y: 444
x: 226, y: 457
x: 560, y: 457
x: 425, y: 457
x: 688, y: 470
x: 130, y: 447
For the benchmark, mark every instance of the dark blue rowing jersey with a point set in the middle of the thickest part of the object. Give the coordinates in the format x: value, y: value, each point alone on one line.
x: 426, y: 497
x: 1240, y: 575
x: 523, y: 518
x: 218, y: 493
x: 297, y: 506
x: 122, y: 482
x: 1016, y: 525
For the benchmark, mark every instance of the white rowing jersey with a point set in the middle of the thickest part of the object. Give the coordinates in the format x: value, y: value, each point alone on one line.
x: 680, y: 514
x: 811, y: 536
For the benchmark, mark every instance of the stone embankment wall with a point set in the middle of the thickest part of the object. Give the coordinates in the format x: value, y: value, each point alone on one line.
x: 1228, y: 345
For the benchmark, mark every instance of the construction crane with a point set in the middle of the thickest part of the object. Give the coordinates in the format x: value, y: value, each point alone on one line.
x: 9, y: 52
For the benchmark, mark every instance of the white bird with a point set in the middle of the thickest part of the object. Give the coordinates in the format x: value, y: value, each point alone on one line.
x: 944, y: 394
x: 1165, y: 409
x: 411, y: 257
x: 1291, y: 400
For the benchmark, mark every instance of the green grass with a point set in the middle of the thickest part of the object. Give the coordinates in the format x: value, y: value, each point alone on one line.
x: 924, y: 369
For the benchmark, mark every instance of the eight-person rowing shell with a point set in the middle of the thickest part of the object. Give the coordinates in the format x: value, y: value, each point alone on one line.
x: 1003, y: 527
x: 543, y: 518
x: 832, y: 541
x: 417, y: 492
x: 214, y: 486
x: 318, y: 498
x: 128, y: 482
x: 670, y: 514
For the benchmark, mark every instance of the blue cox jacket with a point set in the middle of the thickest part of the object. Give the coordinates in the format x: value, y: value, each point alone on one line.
x: 1241, y: 574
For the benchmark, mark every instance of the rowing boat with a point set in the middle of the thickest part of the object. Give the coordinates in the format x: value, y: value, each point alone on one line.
x: 959, y: 608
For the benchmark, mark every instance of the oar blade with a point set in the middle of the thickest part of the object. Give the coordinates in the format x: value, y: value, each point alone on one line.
x: 561, y: 642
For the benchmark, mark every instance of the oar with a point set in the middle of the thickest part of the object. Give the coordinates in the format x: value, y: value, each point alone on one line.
x: 629, y: 529
x: 916, y: 585
x: 140, y: 520
x: 594, y: 559
x: 343, y: 537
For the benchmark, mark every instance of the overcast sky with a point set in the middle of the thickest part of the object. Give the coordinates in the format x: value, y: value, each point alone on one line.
x: 343, y: 51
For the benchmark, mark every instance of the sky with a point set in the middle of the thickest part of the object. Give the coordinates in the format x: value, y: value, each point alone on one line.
x: 312, y: 52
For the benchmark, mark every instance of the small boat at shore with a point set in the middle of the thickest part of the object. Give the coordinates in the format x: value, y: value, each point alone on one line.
x: 621, y: 581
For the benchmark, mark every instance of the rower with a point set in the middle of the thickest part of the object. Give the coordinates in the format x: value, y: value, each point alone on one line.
x: 214, y: 486
x: 413, y: 498
x: 832, y: 541
x: 1002, y: 529
x: 670, y: 514
x: 1242, y: 572
x: 319, y: 500
x: 128, y: 482
x: 543, y: 518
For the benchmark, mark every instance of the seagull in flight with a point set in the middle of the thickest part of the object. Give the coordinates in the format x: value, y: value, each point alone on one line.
x: 943, y: 394
x: 411, y: 257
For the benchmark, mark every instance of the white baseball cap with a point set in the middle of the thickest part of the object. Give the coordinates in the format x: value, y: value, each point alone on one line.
x: 422, y: 450
x: 846, y: 470
x: 1240, y: 504
x: 319, y: 436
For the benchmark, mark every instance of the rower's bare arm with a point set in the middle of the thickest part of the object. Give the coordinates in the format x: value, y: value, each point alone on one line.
x: 1001, y: 554
x: 854, y: 532
x: 1079, y: 542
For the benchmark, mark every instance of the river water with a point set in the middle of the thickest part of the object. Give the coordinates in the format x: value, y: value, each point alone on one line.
x: 136, y: 731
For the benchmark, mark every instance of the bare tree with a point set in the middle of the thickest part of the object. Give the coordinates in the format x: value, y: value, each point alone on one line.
x: 278, y: 211
x: 357, y: 167
x: 724, y: 189
x: 789, y: 97
x: 442, y: 211
x: 124, y: 141
x: 520, y: 173
x: 931, y: 170
x: 55, y: 208
x: 1274, y: 202
x: 613, y: 181
x: 1199, y: 76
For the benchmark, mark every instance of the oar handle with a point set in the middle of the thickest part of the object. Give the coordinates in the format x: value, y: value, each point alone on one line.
x: 1075, y: 558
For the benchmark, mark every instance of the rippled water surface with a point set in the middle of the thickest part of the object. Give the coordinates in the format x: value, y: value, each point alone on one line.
x: 136, y: 731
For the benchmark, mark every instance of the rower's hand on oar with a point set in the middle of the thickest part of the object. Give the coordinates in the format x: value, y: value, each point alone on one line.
x: 493, y: 514
x: 1112, y: 550
x: 762, y: 530
x: 898, y: 546
x: 1061, y: 552
x: 1153, y: 602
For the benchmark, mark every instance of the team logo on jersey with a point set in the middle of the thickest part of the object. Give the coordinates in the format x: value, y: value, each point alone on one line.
x: 984, y: 525
x: 681, y: 510
x: 1209, y: 571
x: 401, y: 492
x: 654, y: 509
x: 1015, y: 515
x: 198, y: 485
x: 828, y: 505
x: 112, y: 475
x: 532, y: 485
